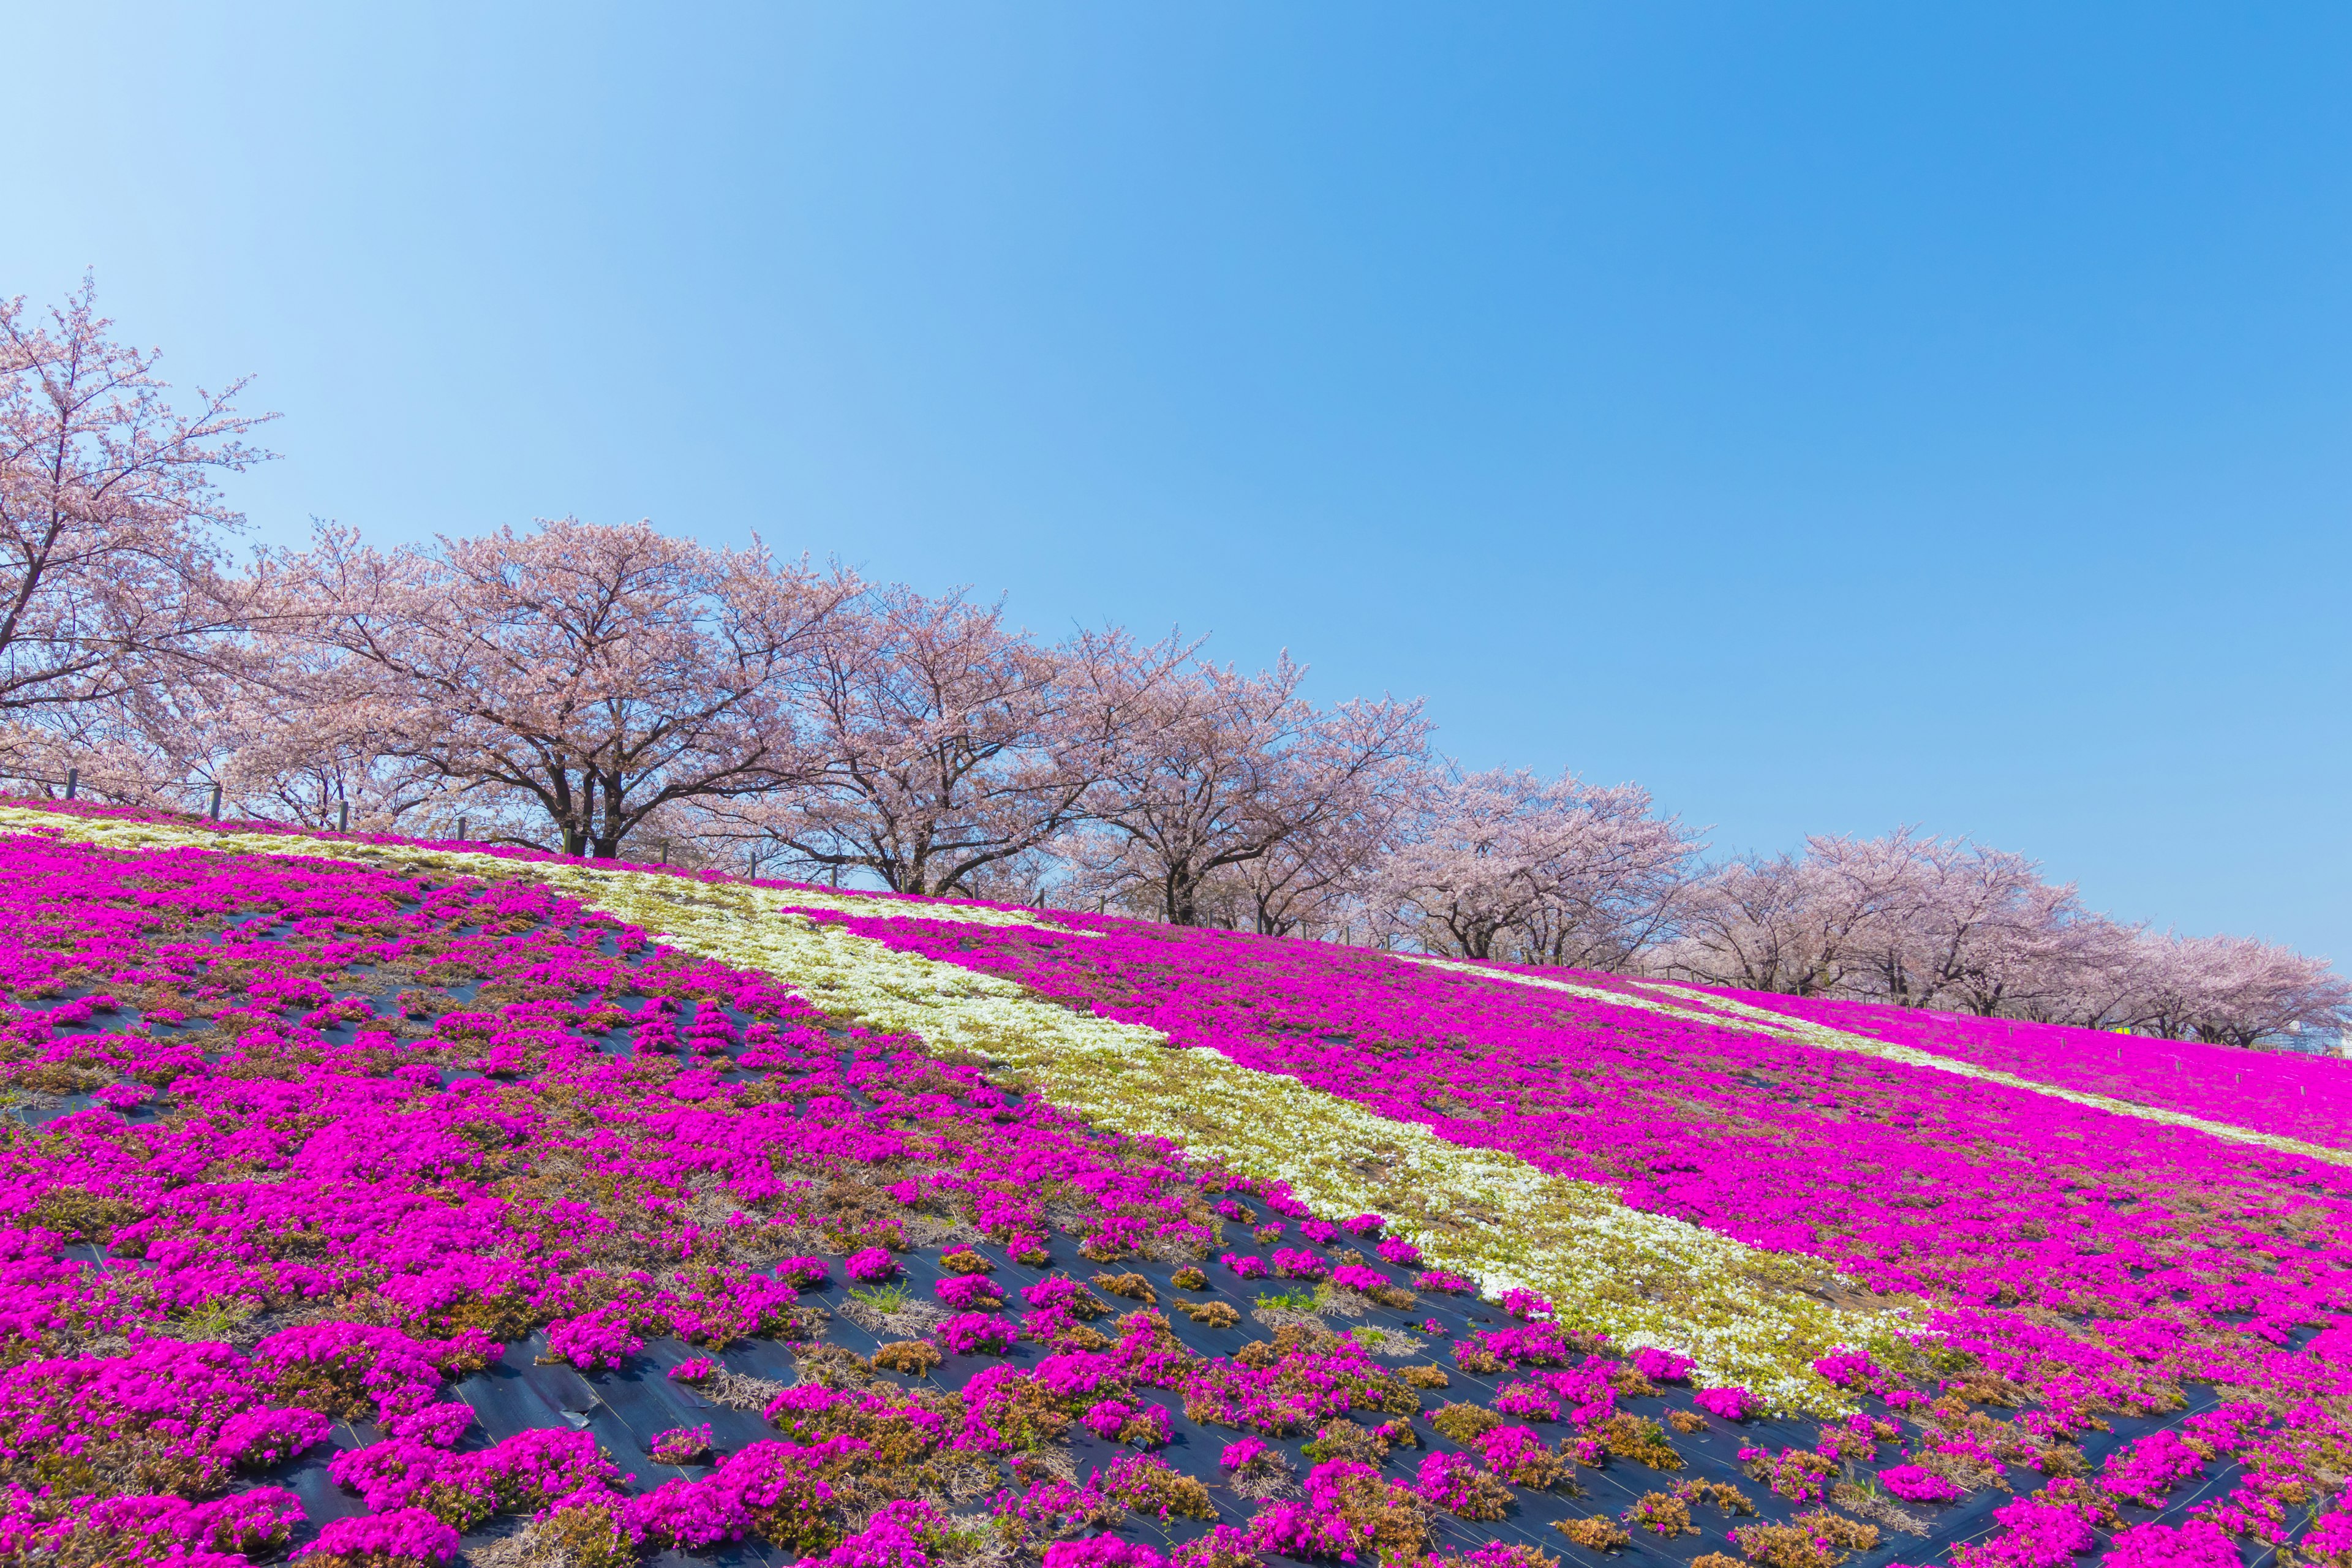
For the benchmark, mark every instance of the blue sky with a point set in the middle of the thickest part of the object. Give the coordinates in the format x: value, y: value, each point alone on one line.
x: 1830, y: 418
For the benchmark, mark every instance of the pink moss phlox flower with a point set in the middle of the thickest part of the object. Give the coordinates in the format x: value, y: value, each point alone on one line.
x: 967, y: 1291
x: 1302, y: 1385
x: 1102, y: 1552
x: 1526, y: 1305
x: 2192, y: 1544
x: 404, y: 1537
x: 1504, y: 1448
x: 898, y: 1534
x: 398, y: 1372
x: 1282, y: 1201
x: 2144, y: 1470
x: 533, y: 1467
x: 1053, y: 1290
x: 1150, y: 1428
x: 1535, y: 1344
x: 1527, y: 1400
x: 146, y: 1527
x: 1078, y: 1371
x: 1663, y: 1366
x: 1790, y: 1473
x: 1730, y: 1403
x: 1048, y: 1501
x: 1585, y: 1392
x: 1913, y: 1484
x: 677, y: 1445
x: 870, y: 1266
x: 1104, y: 1419
x: 2331, y: 1532
x: 1313, y: 1527
x: 440, y: 1424
x: 769, y: 1481
x: 1446, y: 1479
x: 601, y: 1339
x: 1223, y: 1546
x: 256, y: 1439
x: 2032, y: 1535
x: 1848, y: 1369
x: 122, y: 1095
x: 973, y: 1333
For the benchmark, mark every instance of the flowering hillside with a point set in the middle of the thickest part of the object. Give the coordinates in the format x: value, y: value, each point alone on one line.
x: 382, y: 1202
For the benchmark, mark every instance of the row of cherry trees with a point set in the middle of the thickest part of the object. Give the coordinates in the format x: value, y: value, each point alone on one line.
x: 612, y: 689
x: 1928, y: 922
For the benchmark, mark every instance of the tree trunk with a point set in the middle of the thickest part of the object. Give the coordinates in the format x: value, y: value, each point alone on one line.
x: 1179, y: 896
x: 616, y: 826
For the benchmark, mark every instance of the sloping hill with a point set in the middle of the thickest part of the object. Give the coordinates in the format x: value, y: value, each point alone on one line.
x: 373, y: 1195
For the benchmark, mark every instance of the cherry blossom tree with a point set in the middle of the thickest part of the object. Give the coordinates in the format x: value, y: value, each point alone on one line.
x: 1316, y: 882
x: 1957, y: 920
x: 148, y: 744
x: 113, y: 574
x: 1908, y: 918
x: 333, y: 760
x: 602, y: 673
x: 1793, y: 923
x: 2037, y: 950
x: 2090, y: 971
x: 2237, y: 991
x: 1218, y: 770
x: 1927, y: 922
x: 227, y: 724
x: 1504, y: 864
x: 945, y: 745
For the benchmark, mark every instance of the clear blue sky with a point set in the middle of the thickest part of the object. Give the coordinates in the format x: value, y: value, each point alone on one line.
x: 1829, y: 418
